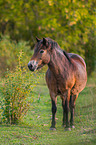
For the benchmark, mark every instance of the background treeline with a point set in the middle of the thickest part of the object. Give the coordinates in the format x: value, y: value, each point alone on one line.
x: 72, y: 23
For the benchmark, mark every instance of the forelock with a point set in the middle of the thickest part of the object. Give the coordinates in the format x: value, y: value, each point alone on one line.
x: 38, y: 46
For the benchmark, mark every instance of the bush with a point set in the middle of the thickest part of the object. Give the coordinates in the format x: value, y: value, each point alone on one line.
x: 90, y: 53
x: 16, y: 89
x: 9, y: 51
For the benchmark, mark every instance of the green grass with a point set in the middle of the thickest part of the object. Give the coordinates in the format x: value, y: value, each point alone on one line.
x: 34, y: 128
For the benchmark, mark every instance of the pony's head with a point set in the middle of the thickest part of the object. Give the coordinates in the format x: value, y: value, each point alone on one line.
x: 41, y: 54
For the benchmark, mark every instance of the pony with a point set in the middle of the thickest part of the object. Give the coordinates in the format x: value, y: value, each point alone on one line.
x: 66, y: 76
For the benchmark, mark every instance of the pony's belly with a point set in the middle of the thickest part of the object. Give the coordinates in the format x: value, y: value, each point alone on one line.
x: 79, y: 85
x: 81, y: 79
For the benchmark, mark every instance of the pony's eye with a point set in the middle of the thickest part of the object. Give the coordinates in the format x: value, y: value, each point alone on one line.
x: 41, y: 51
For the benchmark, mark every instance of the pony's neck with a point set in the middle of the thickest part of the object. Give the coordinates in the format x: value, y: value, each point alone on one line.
x: 58, y: 62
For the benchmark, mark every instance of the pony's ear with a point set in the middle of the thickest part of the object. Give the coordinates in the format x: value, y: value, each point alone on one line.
x: 38, y: 40
x: 45, y: 42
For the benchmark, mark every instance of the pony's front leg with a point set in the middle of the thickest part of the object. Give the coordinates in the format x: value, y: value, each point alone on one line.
x: 54, y: 109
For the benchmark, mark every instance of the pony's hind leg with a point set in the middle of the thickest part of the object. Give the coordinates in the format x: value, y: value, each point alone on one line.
x: 72, y: 106
x: 64, y: 113
x: 66, y: 108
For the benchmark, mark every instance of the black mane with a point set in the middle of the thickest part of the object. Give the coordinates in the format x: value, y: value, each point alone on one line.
x: 66, y: 54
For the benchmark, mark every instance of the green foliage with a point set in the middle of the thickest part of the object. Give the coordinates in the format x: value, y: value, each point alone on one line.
x: 9, y: 51
x: 16, y: 89
x: 68, y: 22
x: 90, y: 53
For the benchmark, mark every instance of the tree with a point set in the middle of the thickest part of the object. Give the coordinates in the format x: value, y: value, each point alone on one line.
x: 68, y: 22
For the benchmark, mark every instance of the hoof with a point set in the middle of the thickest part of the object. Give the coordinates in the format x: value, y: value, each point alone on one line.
x: 51, y: 128
x: 73, y: 126
x: 67, y: 129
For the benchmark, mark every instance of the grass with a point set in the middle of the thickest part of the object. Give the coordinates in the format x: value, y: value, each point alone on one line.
x: 34, y: 128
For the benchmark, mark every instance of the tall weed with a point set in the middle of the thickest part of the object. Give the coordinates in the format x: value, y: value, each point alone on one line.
x: 16, y: 89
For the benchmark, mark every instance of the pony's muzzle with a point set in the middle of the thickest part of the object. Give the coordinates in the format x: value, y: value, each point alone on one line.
x: 32, y: 65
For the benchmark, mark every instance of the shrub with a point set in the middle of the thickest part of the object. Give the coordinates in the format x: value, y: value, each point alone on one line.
x: 9, y: 51
x: 90, y: 53
x: 16, y: 89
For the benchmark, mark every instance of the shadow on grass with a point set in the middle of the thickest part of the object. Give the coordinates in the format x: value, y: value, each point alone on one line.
x: 16, y: 125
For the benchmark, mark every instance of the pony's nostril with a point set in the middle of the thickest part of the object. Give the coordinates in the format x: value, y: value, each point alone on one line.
x: 30, y: 65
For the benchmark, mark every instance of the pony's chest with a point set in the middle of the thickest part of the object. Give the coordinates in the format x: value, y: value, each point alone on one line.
x: 63, y: 83
x: 59, y: 83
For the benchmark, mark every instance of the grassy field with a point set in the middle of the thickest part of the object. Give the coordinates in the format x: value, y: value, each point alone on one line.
x: 34, y: 128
